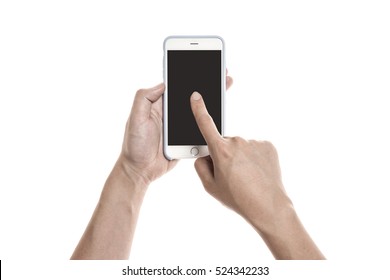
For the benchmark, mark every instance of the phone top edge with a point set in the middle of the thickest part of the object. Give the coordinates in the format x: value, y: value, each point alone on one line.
x: 193, y: 36
x: 179, y: 38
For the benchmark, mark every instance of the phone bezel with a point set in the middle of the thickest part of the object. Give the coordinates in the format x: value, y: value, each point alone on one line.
x: 191, y: 43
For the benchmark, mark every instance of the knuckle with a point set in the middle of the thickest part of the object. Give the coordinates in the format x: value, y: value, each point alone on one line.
x: 140, y: 92
x: 239, y: 140
x: 204, y: 119
x: 240, y: 143
x: 223, y: 149
x: 253, y: 142
x: 268, y: 145
x: 268, y: 148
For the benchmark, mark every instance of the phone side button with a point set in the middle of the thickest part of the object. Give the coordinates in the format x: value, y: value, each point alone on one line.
x: 194, y: 151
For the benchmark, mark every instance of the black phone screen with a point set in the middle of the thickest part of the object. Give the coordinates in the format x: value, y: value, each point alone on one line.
x: 189, y: 71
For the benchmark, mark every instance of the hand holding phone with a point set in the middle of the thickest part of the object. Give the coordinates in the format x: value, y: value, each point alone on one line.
x: 191, y: 64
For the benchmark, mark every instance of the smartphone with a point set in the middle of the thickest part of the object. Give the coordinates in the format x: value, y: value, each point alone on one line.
x: 191, y: 63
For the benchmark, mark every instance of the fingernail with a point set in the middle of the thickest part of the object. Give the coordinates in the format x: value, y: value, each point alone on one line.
x: 196, y: 96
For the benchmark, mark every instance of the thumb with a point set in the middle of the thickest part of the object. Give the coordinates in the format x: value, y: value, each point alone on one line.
x: 205, y: 169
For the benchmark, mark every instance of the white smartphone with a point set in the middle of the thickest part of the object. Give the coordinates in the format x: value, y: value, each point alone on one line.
x: 191, y: 63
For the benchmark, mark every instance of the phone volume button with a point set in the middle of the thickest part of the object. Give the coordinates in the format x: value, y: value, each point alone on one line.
x: 163, y: 72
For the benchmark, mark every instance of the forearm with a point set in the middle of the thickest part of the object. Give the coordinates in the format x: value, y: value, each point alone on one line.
x: 286, y: 237
x: 110, y: 231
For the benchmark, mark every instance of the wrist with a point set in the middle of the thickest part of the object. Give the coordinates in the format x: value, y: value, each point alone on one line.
x: 124, y: 187
x: 274, y: 220
x: 280, y: 223
x: 131, y: 173
x: 286, y: 237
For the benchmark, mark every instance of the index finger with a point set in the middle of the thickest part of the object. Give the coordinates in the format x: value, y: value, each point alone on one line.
x: 204, y: 120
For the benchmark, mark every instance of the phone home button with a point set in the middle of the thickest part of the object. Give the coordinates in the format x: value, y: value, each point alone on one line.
x: 194, y: 151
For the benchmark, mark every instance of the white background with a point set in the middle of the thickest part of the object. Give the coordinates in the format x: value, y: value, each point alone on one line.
x: 313, y: 77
